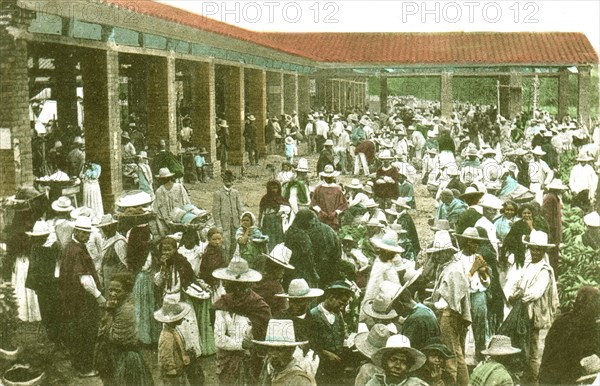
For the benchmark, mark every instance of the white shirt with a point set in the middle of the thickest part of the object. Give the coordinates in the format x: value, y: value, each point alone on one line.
x: 583, y: 177
x: 476, y: 283
x: 322, y: 128
x: 230, y: 330
x: 540, y: 172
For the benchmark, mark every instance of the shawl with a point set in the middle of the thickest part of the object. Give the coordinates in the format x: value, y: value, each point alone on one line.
x: 271, y: 200
x: 212, y: 259
x: 325, y: 158
x: 183, y: 269
x: 251, y: 306
x: 122, y: 331
x: 166, y: 159
x: 302, y: 190
x: 138, y: 247
x: 267, y: 288
x: 491, y: 373
x: 452, y: 285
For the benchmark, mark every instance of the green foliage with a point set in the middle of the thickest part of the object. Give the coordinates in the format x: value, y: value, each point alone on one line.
x: 579, y: 263
x: 567, y: 161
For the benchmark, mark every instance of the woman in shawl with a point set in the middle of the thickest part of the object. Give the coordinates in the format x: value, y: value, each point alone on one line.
x: 144, y: 174
x: 241, y: 315
x: 506, y: 219
x: 118, y: 358
x: 250, y: 241
x: 92, y: 197
x: 298, y: 241
x: 271, y: 215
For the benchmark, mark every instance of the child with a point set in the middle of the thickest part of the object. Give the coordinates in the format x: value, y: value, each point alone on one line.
x: 251, y: 241
x: 290, y: 149
x: 200, y: 162
x: 286, y: 174
x: 172, y: 357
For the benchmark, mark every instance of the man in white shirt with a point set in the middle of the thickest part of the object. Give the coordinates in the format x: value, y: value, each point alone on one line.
x: 583, y: 182
x: 540, y: 174
x: 342, y: 143
x: 322, y: 132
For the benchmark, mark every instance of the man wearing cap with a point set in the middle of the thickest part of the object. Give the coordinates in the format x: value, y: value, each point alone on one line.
x: 80, y: 298
x: 495, y: 371
x: 583, y: 182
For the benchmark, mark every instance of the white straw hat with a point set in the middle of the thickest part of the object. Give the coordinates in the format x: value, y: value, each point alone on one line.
x: 280, y: 333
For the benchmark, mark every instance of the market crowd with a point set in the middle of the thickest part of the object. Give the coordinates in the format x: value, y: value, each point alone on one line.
x: 329, y: 283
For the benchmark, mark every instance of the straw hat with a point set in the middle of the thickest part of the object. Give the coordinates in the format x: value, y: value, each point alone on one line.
x: 329, y: 142
x: 82, y: 211
x: 299, y: 289
x: 380, y: 307
x: 584, y: 157
x: 355, y: 184
x: 370, y: 203
x: 491, y: 201
x: 401, y: 344
x: 488, y: 150
x: 591, y: 366
x: 472, y: 152
x: 401, y: 202
x: 289, y: 140
x: 281, y: 255
x: 385, y: 155
x: 432, y: 150
x: 78, y: 140
x: 441, y: 225
x: 83, y: 223
x: 107, y: 220
x: 452, y: 170
x: 302, y: 165
x: 125, y: 135
x: 202, y: 151
x: 251, y: 117
x: 471, y: 234
x: 172, y: 311
x: 538, y: 151
x: 164, y: 173
x: 538, y: 239
x: 374, y: 222
x: 280, y: 333
x: 62, y: 204
x: 398, y: 229
x: 238, y: 270
x: 367, y: 343
x: 223, y: 123
x: 143, y: 154
x: 441, y: 242
x: 471, y: 196
x: 40, y: 228
x: 388, y: 242
x: 329, y: 171
x: 556, y: 184
x: 500, y: 345
x: 134, y: 198
x: 592, y: 219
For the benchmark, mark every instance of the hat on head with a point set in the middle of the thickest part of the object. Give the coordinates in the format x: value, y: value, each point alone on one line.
x: 471, y: 196
x: 289, y: 140
x: 227, y: 175
x: 143, y: 154
x: 441, y: 225
x: 431, y: 134
x: 488, y: 150
x: 202, y: 151
x: 299, y: 289
x: 380, y: 307
x: 436, y: 345
x: 280, y: 255
x: 62, y: 204
x: 367, y: 343
x: 302, y: 165
x: 398, y: 229
x: 472, y: 151
x: 591, y: 366
x: 388, y: 242
x: 339, y: 285
x: 40, y: 228
x: 370, y: 203
x: 78, y: 140
x: 164, y: 173
x: 134, y: 198
x: 538, y: 239
x: 538, y: 151
x: 452, y: 170
x: 238, y: 270
x: 441, y: 242
x: 401, y: 344
x: 500, y: 345
x: 401, y: 202
x: 583, y: 156
x: 592, y: 219
x: 471, y: 234
x: 329, y: 142
x: 556, y: 184
x: 83, y: 223
x: 355, y: 184
x: 490, y: 201
x: 223, y: 123
x: 432, y: 150
x: 107, y: 220
x: 385, y: 155
x: 125, y: 135
x: 172, y: 311
x: 329, y: 171
x: 82, y: 211
x: 280, y: 333
x: 374, y: 222
x: 57, y: 144
x: 251, y: 117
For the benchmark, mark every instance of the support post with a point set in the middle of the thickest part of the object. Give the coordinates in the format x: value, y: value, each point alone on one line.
x: 234, y: 113
x: 256, y: 85
x: 584, y: 91
x: 446, y: 105
x: 162, y: 97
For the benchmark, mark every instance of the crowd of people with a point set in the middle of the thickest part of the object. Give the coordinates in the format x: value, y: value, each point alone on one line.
x: 331, y: 282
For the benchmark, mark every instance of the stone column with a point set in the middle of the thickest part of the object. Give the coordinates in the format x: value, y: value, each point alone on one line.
x: 256, y: 86
x: 275, y: 94
x: 446, y: 94
x: 102, y: 126
x: 203, y: 112
x: 511, y: 100
x: 328, y: 94
x: 65, y: 89
x: 343, y: 95
x: 563, y: 93
x: 162, y: 99
x: 383, y: 94
x: 290, y: 92
x: 303, y: 99
x: 234, y: 113
x: 335, y: 95
x: 321, y: 98
x: 584, y: 91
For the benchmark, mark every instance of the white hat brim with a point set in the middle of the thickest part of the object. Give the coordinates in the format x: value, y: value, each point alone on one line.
x: 418, y: 357
x: 377, y: 242
x: 279, y: 262
x: 312, y: 293
x: 158, y: 315
x: 251, y: 276
x: 279, y: 344
x: 57, y: 208
x: 368, y: 309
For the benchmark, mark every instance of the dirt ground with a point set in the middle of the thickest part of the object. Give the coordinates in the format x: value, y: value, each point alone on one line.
x: 40, y: 353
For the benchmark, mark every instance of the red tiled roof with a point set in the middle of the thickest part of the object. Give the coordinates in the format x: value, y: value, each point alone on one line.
x: 447, y: 48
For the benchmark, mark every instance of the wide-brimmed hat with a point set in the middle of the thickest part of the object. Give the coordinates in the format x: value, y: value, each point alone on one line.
x: 329, y: 171
x: 500, y: 345
x: 490, y: 201
x: 556, y: 184
x: 441, y: 242
x: 302, y: 165
x: 355, y: 184
x: 388, y: 242
x: 251, y: 117
x: 538, y: 151
x: 329, y: 142
x: 134, y: 198
x: 400, y: 343
x: 472, y: 151
x: 40, y: 228
x: 202, y: 151
x: 385, y: 155
x: 82, y: 211
x: 164, y: 173
x: 281, y: 255
x: 437, y: 346
x: 374, y: 222
x: 432, y: 150
x: 452, y: 170
x: 339, y: 285
x: 107, y: 220
x: 401, y: 202
x: 125, y: 135
x: 592, y: 219
x: 370, y: 203
x: 62, y: 204
x: 367, y: 343
x: 172, y: 311
x: 280, y: 333
x: 471, y: 196
x: 584, y: 157
x: 488, y: 150
x: 380, y: 307
x: 299, y: 289
x: 289, y: 140
x: 223, y: 123
x: 398, y: 229
x: 78, y: 140
x: 471, y: 234
x: 441, y: 225
x: 83, y: 223
x: 591, y: 366
x: 143, y: 154
x: 538, y: 239
x: 238, y: 270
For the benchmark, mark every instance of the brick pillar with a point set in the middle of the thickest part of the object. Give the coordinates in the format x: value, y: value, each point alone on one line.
x: 203, y: 111
x: 65, y: 89
x: 328, y: 94
x: 234, y: 113
x: 303, y: 99
x: 256, y: 86
x: 383, y: 94
x: 162, y: 101
x: 275, y: 93
x: 563, y: 93
x: 15, y: 162
x: 321, y: 99
x: 446, y: 94
x: 343, y: 95
x: 290, y: 92
x: 584, y: 91
x: 511, y: 100
x: 100, y: 74
x: 335, y: 95
x: 366, y: 101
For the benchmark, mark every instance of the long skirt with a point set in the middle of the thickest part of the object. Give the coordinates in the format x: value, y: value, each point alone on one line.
x: 27, y: 301
x: 122, y: 366
x: 92, y: 197
x: 207, y: 336
x: 144, y: 292
x: 273, y: 227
